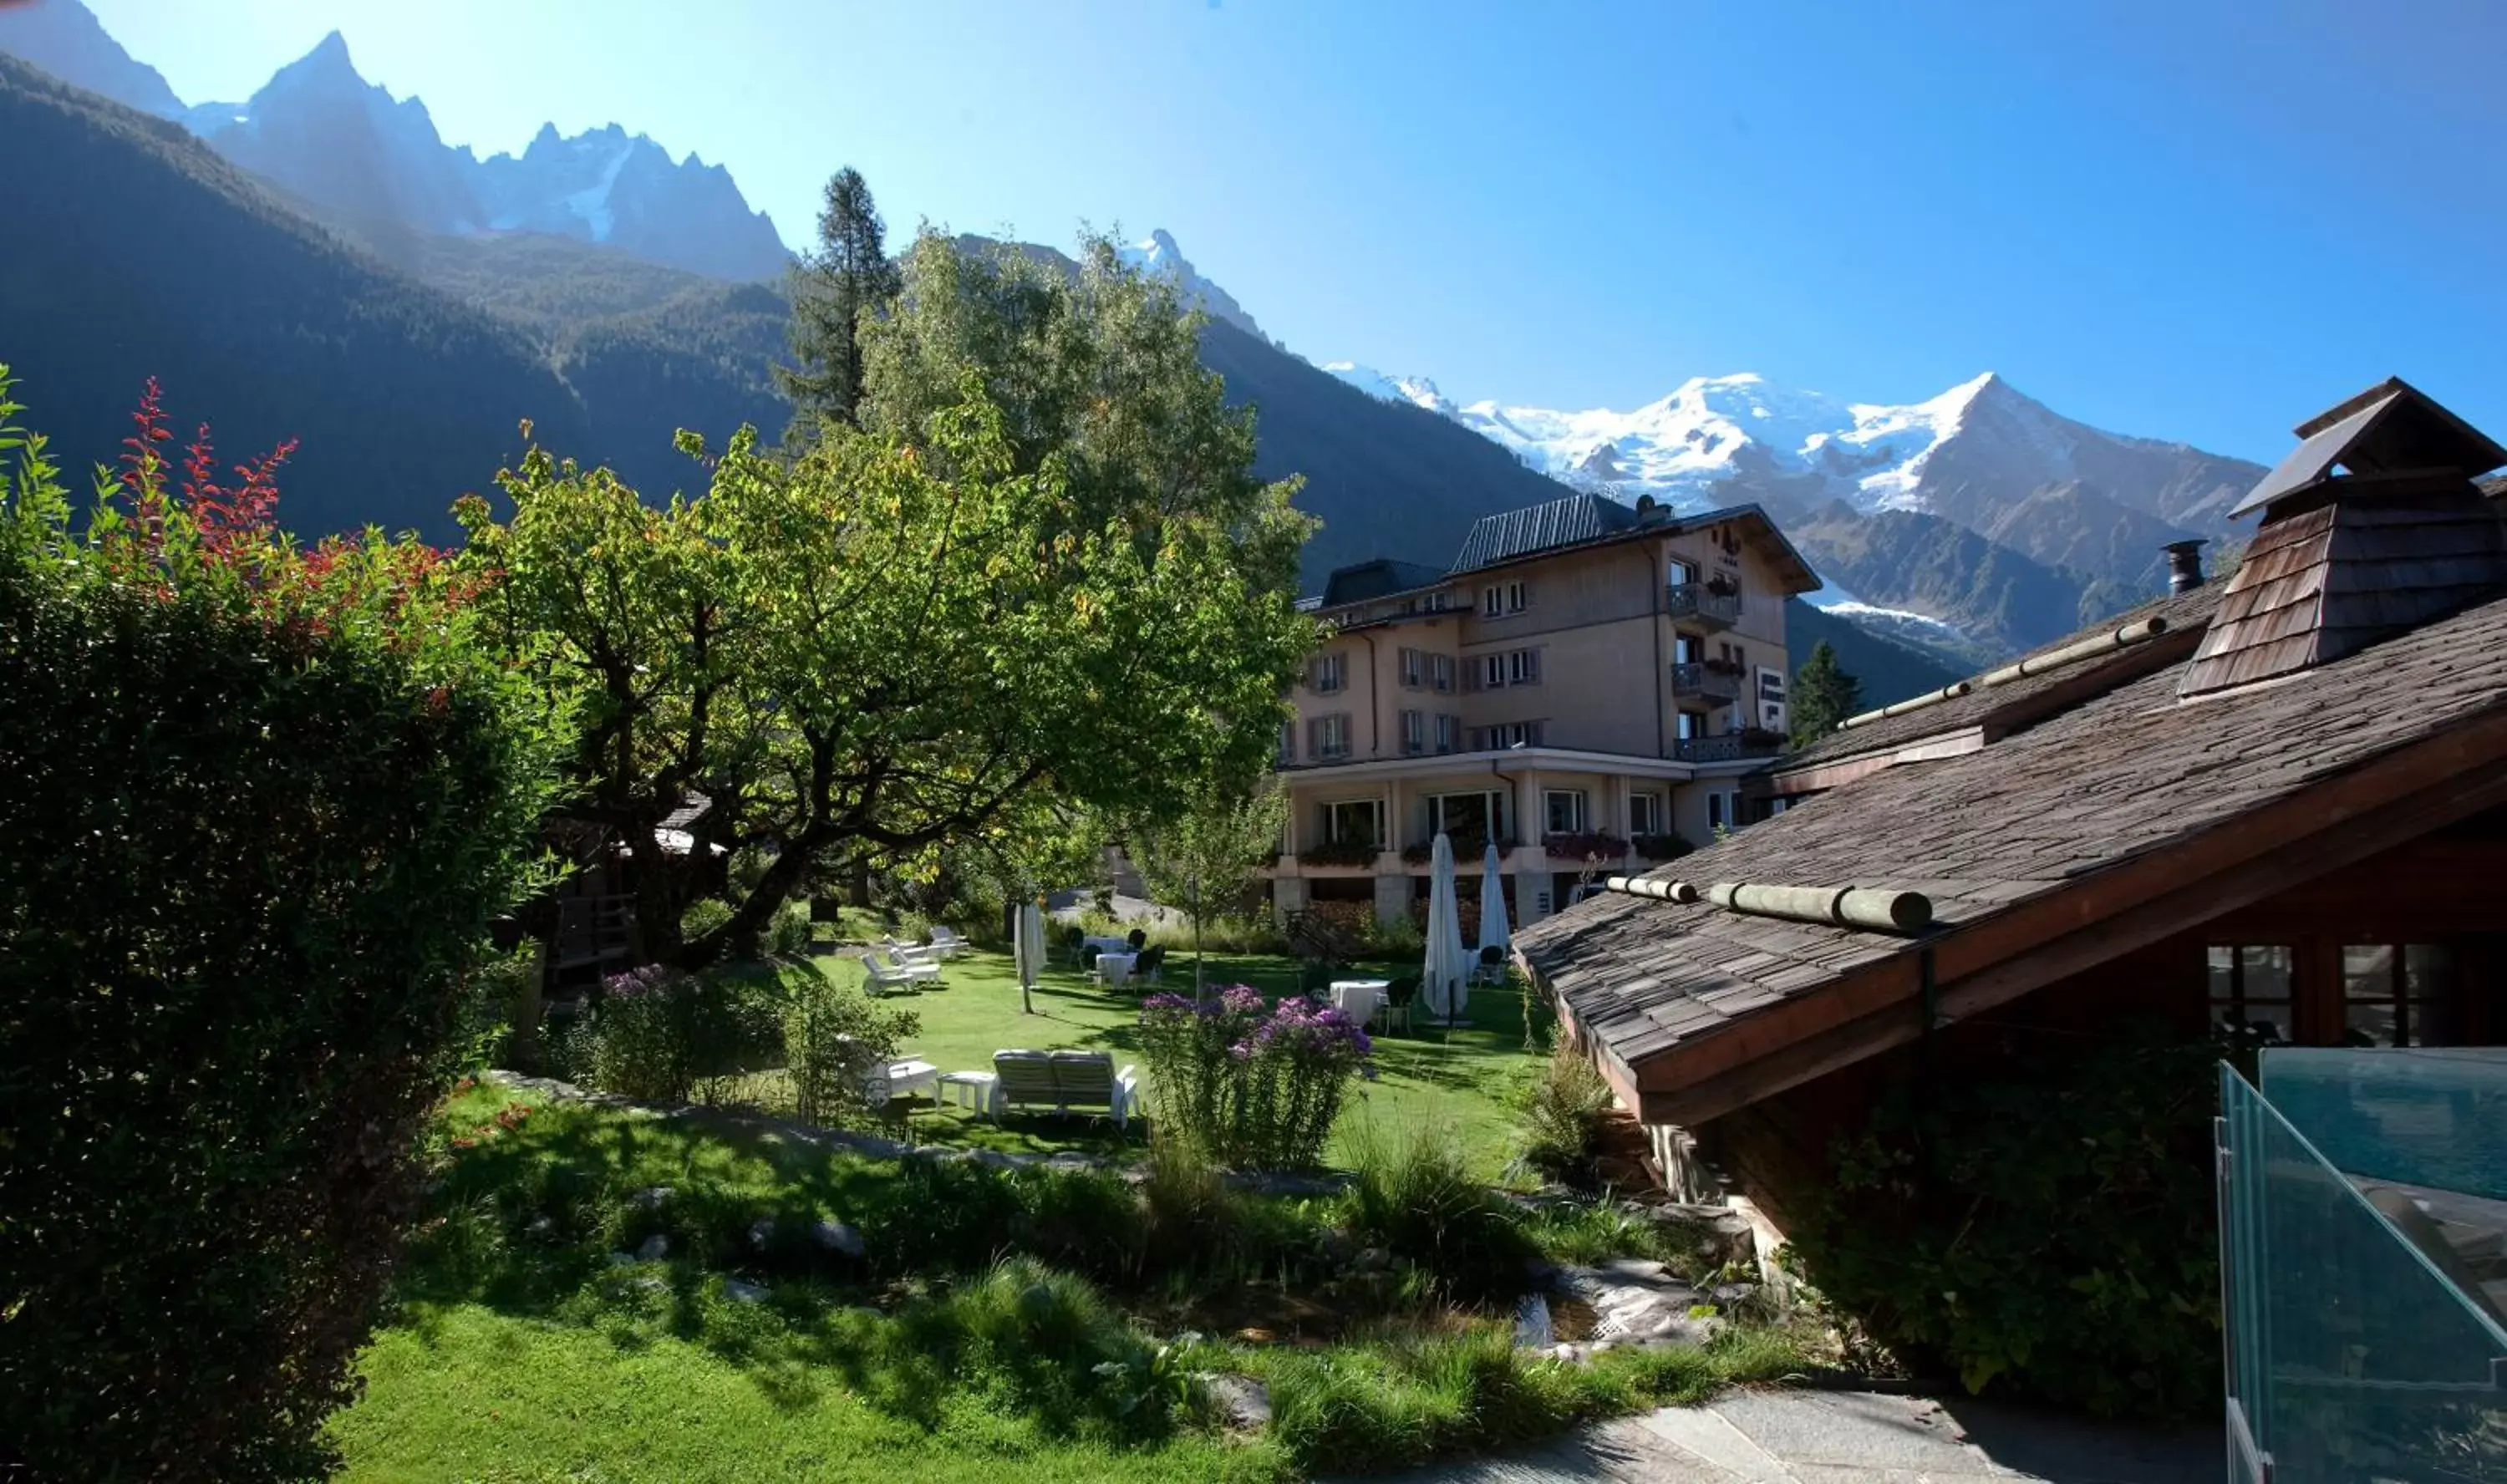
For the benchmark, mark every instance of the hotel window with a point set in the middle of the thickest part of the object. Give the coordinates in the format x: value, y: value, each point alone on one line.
x: 1513, y: 734
x: 1645, y: 815
x: 1563, y: 810
x: 1360, y: 821
x: 1723, y: 809
x: 2396, y: 995
x: 1500, y: 598
x: 1692, y: 725
x: 1523, y: 667
x: 1440, y: 601
x: 1441, y: 672
x: 1414, y: 669
x: 1481, y: 815
x: 1677, y: 573
x: 1687, y: 649
x: 1328, y: 737
x: 1449, y: 734
x: 1414, y: 732
x: 2250, y: 991
x: 1328, y: 674
x: 1492, y: 671
x: 1288, y: 742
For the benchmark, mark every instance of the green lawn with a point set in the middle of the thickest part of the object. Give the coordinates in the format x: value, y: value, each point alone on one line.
x: 520, y: 1352
x: 1469, y: 1080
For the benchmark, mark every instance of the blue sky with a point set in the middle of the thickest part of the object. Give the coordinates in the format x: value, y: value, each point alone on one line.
x: 2198, y: 219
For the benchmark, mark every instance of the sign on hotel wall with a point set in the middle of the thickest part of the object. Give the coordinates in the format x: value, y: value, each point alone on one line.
x: 1772, y: 699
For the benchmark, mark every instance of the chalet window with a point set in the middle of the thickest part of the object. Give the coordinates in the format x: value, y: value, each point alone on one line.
x: 1449, y: 734
x: 1677, y: 573
x: 1692, y: 725
x: 1563, y: 810
x: 1723, y: 809
x: 1515, y: 594
x: 1492, y: 671
x: 1441, y: 672
x: 1414, y: 669
x: 1288, y: 742
x: 1645, y: 815
x: 1440, y: 601
x: 1414, y: 732
x: 2251, y: 991
x: 1360, y: 821
x: 1328, y: 674
x: 2397, y: 994
x: 1687, y: 649
x: 1523, y: 667
x: 1328, y: 737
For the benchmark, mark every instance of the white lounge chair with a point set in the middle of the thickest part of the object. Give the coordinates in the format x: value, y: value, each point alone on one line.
x: 889, y: 974
x: 946, y: 943
x: 1066, y: 1082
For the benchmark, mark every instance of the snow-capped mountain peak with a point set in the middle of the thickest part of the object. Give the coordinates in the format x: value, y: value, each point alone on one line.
x: 1159, y: 254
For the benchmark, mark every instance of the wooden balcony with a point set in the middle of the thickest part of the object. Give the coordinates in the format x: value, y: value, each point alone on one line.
x: 1697, y: 680
x: 1692, y: 602
x: 1730, y: 747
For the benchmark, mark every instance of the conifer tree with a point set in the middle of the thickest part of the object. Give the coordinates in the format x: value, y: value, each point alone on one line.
x: 1824, y: 695
x: 846, y: 275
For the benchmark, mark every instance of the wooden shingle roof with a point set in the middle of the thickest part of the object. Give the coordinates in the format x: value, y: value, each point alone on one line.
x: 2010, y: 705
x: 2118, y: 780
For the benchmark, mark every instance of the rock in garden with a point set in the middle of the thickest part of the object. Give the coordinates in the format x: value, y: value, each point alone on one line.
x: 1244, y: 1401
x: 1729, y: 1295
x: 622, y: 1259
x: 837, y: 1237
x: 651, y: 1197
x: 1634, y: 1269
x: 540, y: 1226
x: 742, y: 1292
x: 656, y: 1248
x: 761, y: 1233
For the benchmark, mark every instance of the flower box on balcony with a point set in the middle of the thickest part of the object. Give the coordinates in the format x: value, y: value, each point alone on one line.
x: 1340, y: 853
x: 1665, y: 845
x: 1468, y: 847
x: 1585, y: 846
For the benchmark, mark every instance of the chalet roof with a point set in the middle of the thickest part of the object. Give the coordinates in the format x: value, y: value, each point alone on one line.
x: 2390, y: 429
x: 1382, y: 577
x: 2006, y: 707
x: 2127, y: 778
x: 1578, y: 520
x: 1584, y: 520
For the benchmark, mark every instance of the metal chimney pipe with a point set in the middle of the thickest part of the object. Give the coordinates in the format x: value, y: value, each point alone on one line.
x: 2184, y: 565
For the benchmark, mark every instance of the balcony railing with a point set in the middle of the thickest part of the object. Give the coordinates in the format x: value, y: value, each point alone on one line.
x: 1695, y: 680
x: 1693, y: 601
x: 1730, y: 747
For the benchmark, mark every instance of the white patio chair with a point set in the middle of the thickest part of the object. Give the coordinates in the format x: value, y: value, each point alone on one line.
x: 946, y: 943
x: 888, y: 974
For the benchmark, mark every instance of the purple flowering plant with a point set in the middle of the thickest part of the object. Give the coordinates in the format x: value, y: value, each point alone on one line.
x: 1259, y: 1085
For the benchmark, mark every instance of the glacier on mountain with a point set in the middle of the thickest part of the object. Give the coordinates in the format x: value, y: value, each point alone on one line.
x: 1685, y: 447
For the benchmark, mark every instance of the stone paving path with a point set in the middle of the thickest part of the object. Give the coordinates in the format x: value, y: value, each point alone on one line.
x: 1851, y: 1438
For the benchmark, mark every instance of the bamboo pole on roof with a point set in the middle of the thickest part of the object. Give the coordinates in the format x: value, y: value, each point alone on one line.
x: 1648, y: 886
x: 1878, y: 910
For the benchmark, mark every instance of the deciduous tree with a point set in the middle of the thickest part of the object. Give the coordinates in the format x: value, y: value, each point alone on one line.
x: 894, y: 641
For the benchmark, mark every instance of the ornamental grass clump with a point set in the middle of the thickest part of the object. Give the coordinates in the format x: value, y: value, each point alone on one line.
x: 1259, y: 1086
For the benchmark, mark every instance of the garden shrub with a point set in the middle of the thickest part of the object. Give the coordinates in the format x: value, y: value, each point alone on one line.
x: 1564, y: 1115
x: 788, y: 936
x: 705, y: 915
x: 1414, y: 1194
x: 263, y: 805
x: 1259, y: 1085
x: 662, y: 1036
x: 2049, y: 1230
x: 832, y: 1037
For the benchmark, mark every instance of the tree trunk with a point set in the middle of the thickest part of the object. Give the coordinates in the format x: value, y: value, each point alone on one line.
x: 857, y: 882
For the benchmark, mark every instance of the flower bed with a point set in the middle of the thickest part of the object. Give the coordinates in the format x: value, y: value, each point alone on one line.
x: 1580, y: 847
x: 1256, y: 1085
x: 1340, y: 853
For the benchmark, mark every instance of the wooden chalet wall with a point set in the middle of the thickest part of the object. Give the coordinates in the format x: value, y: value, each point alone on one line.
x: 2448, y: 886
